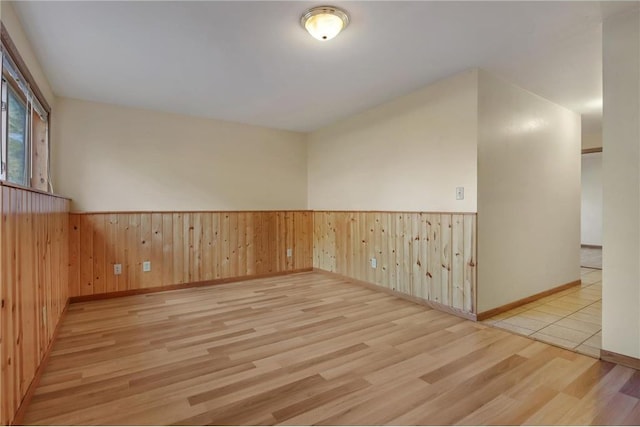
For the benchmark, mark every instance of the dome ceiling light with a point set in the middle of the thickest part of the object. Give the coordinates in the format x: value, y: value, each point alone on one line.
x: 324, y: 22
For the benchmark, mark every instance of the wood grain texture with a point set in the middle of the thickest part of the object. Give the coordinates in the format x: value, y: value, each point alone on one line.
x: 504, y: 308
x: 39, y: 152
x: 430, y: 256
x: 620, y: 359
x: 18, y: 419
x: 33, y: 286
x: 592, y: 150
x: 404, y: 296
x: 310, y: 349
x: 212, y: 282
x: 183, y: 247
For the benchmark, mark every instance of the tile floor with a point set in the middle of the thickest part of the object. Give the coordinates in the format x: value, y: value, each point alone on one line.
x: 571, y: 318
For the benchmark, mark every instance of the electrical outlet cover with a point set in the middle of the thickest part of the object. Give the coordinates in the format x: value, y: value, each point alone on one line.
x: 146, y: 266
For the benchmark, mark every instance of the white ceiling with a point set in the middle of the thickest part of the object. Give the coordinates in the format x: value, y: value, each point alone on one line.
x: 251, y: 62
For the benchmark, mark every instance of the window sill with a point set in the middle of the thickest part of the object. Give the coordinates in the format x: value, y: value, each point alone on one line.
x: 33, y: 190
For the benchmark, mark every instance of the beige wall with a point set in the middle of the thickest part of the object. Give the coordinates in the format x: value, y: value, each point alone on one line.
x: 111, y: 158
x: 591, y: 140
x: 409, y: 154
x: 14, y: 28
x: 528, y: 194
x: 591, y: 207
x: 621, y: 177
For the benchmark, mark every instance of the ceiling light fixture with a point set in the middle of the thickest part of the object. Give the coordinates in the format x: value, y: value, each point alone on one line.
x: 324, y: 22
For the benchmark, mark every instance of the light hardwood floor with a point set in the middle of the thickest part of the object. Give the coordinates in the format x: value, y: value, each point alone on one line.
x: 311, y: 349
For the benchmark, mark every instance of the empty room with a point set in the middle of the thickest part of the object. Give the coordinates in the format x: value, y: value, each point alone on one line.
x: 308, y: 213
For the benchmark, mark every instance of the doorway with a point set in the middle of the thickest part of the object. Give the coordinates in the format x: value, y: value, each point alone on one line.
x: 591, y: 210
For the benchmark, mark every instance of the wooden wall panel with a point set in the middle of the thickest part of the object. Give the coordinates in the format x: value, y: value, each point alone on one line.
x: 40, y: 153
x: 183, y: 247
x: 34, y: 262
x: 429, y: 256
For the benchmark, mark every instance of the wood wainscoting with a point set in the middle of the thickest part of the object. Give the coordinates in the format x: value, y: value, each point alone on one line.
x: 183, y: 248
x: 33, y: 286
x: 429, y: 256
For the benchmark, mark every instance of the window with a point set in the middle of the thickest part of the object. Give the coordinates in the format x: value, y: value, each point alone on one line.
x: 16, y: 162
x: 24, y: 154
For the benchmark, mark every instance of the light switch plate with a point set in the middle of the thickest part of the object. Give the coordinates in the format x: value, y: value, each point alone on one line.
x: 289, y: 253
x: 374, y: 263
x: 146, y: 266
x: 459, y: 193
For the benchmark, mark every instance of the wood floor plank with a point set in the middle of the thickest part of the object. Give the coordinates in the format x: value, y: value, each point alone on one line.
x: 312, y: 349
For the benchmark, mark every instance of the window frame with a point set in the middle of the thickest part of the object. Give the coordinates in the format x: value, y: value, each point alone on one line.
x: 4, y: 94
x: 17, y: 78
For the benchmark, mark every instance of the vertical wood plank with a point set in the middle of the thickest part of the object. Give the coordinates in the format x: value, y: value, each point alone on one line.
x: 379, y: 236
x: 144, y: 249
x: 296, y: 249
x: 233, y: 245
x: 99, y: 260
x: 435, y: 265
x: 121, y: 250
x: 399, y: 250
x: 207, y: 246
x: 280, y: 242
x: 271, y: 247
x: 178, y: 248
x: 371, y: 246
x: 111, y: 258
x: 416, y: 254
x: 407, y: 249
x: 187, y: 248
x: 74, y: 255
x: 259, y: 242
x: 340, y: 227
x: 241, y: 244
x: 8, y: 338
x: 306, y: 240
x: 157, y: 258
x: 195, y: 261
x: 392, y: 251
x: 381, y: 243
x: 215, y: 232
x: 86, y: 255
x: 289, y: 237
x: 457, y: 261
x: 317, y: 239
x: 470, y: 243
x: 356, y: 241
x: 445, y: 258
x: 35, y: 252
x: 224, y: 245
x: 363, y: 264
x: 332, y: 241
x: 134, y: 264
x: 250, y: 243
x: 167, y: 249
